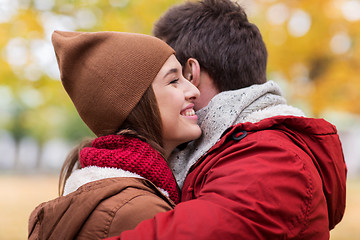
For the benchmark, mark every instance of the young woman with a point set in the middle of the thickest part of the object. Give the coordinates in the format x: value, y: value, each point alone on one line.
x: 129, y: 90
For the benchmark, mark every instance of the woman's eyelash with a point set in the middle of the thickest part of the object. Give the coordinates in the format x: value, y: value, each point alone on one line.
x: 174, y: 81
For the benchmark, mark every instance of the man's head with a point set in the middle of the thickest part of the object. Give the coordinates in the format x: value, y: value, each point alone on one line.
x: 219, y: 36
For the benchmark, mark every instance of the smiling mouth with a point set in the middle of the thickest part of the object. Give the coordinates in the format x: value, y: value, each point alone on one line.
x: 188, y: 112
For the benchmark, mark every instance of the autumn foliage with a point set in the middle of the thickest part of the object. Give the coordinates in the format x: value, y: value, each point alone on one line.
x: 313, y: 50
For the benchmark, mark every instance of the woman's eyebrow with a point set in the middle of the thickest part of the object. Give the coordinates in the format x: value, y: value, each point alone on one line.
x: 173, y: 70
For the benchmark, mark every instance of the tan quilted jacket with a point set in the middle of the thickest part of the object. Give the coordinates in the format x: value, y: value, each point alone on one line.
x: 99, y: 209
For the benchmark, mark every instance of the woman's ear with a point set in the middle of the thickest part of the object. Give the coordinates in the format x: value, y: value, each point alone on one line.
x: 192, y: 71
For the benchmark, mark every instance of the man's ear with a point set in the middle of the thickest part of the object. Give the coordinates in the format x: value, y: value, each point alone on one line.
x: 192, y: 71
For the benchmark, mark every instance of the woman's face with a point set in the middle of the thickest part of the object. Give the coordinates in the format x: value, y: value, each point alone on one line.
x: 175, y: 97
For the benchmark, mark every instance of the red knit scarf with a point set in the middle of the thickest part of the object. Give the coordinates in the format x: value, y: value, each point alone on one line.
x: 133, y: 155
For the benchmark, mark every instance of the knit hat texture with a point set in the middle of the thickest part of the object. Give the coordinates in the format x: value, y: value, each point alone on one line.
x: 106, y: 73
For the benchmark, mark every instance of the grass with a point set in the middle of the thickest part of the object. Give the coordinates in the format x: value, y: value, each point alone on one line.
x: 348, y: 228
x: 20, y: 195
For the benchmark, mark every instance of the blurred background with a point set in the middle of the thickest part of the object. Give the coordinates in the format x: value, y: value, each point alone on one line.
x: 314, y: 54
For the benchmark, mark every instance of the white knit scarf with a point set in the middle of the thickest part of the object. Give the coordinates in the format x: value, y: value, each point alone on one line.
x: 250, y: 104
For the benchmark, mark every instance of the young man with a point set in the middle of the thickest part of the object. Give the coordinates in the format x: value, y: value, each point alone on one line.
x: 261, y: 170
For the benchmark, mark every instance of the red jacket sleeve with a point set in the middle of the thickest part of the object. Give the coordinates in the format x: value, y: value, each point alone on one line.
x: 264, y: 187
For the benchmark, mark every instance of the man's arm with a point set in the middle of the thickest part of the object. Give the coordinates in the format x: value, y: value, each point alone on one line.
x: 260, y: 188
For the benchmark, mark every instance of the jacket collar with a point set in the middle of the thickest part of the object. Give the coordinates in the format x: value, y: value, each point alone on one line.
x: 251, y: 104
x: 133, y: 155
x: 89, y: 174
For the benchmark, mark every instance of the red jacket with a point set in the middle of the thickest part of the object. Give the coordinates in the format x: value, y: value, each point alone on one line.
x: 280, y: 178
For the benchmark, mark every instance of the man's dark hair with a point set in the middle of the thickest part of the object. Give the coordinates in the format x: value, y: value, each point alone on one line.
x: 218, y: 34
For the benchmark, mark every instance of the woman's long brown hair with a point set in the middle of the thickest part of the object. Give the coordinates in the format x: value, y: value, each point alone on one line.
x: 144, y: 122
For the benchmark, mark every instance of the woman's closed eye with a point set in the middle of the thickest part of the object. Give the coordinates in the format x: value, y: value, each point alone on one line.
x: 175, y: 81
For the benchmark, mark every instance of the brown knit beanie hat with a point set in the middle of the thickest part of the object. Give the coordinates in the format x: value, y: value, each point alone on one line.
x: 107, y: 73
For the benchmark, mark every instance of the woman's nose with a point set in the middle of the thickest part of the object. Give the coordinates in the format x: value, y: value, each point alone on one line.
x: 191, y: 91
